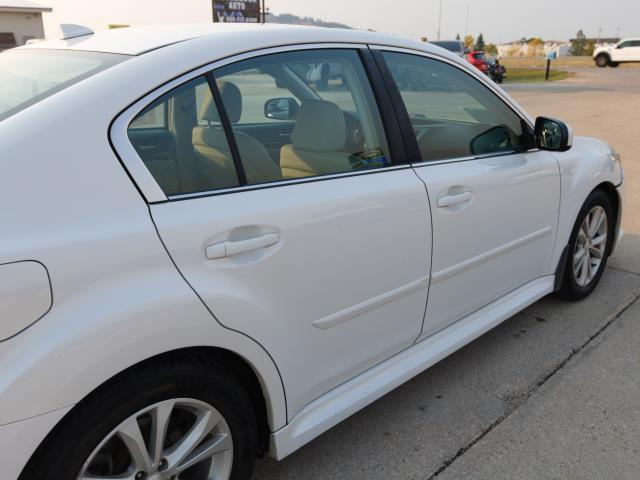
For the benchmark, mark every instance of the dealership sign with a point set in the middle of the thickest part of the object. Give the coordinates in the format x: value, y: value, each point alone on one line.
x: 232, y: 11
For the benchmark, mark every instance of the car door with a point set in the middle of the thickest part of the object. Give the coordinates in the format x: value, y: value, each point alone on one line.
x: 323, y: 261
x: 494, y: 202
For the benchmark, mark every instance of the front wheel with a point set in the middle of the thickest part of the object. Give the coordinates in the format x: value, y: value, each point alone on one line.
x: 589, y: 247
x: 178, y: 421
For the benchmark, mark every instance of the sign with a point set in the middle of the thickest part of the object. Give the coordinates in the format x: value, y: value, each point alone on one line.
x: 235, y: 11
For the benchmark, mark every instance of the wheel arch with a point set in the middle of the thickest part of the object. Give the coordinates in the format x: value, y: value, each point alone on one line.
x: 214, y: 357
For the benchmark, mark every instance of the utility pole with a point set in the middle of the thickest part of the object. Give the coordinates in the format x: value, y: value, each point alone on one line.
x: 440, y: 20
x: 599, y: 34
x: 264, y: 12
x: 466, y: 20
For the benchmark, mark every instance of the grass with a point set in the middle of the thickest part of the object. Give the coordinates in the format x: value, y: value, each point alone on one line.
x: 534, y: 75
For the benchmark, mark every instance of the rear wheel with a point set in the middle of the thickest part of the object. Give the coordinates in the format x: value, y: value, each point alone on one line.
x: 181, y: 421
x: 602, y: 61
x: 589, y: 247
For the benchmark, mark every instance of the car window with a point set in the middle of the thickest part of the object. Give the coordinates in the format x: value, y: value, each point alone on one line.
x: 453, y: 114
x: 181, y: 153
x: 30, y: 75
x: 624, y: 45
x: 328, y: 118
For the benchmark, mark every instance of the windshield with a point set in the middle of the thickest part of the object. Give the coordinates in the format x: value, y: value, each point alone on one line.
x: 449, y: 45
x: 27, y: 76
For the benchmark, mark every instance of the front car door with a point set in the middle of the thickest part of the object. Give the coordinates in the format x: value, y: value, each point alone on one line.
x: 320, y: 254
x: 494, y: 201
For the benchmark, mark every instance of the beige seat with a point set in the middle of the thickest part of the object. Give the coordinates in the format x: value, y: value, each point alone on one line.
x: 318, y: 142
x: 211, y: 145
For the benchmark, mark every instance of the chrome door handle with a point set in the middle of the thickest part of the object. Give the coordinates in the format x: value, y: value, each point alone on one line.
x: 451, y: 200
x: 229, y: 249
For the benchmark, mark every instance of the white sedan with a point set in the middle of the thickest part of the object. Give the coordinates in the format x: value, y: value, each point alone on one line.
x: 220, y: 241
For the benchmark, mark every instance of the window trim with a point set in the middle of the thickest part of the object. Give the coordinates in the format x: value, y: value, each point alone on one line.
x: 150, y: 188
x: 403, y: 116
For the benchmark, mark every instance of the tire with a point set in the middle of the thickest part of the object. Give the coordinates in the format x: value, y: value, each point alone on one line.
x: 577, y: 283
x: 602, y: 61
x: 156, y: 384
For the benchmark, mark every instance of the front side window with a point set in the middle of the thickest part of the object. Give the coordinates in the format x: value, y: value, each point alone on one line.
x: 453, y: 115
x: 302, y: 114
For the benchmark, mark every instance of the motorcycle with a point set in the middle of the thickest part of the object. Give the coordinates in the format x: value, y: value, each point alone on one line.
x: 497, y: 72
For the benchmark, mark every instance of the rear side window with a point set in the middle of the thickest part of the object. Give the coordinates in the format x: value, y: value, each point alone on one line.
x: 332, y: 121
x: 30, y: 75
x: 180, y: 139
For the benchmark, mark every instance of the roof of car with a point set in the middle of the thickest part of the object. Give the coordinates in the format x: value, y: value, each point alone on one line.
x: 138, y: 40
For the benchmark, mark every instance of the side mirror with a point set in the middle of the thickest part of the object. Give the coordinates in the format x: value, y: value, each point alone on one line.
x: 281, y: 108
x: 467, y: 50
x: 553, y: 135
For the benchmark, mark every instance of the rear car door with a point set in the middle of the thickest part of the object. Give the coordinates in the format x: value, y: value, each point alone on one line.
x: 320, y: 254
x: 494, y: 201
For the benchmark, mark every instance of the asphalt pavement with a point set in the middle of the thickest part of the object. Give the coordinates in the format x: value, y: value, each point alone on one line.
x: 553, y: 392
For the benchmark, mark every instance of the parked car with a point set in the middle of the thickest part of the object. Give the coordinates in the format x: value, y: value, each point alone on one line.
x: 478, y: 59
x: 455, y: 46
x: 217, y: 259
x: 626, y: 51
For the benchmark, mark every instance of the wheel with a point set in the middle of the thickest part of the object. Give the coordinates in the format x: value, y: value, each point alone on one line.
x: 602, y: 61
x: 169, y: 421
x: 589, y: 247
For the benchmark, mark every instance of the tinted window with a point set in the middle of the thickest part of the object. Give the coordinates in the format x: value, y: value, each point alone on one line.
x: 180, y: 139
x: 302, y: 114
x: 451, y: 46
x: 28, y: 76
x: 452, y: 113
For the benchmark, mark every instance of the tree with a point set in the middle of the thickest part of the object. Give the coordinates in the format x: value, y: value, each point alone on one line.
x: 480, y: 43
x: 579, y: 45
x: 468, y: 41
x: 491, y: 49
x: 535, y: 46
x: 591, y: 46
x: 458, y: 36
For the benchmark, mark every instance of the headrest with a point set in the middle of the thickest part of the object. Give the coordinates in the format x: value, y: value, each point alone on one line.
x: 320, y: 127
x: 232, y: 99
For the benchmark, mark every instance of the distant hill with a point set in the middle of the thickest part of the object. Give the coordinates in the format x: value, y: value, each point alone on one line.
x: 288, y: 18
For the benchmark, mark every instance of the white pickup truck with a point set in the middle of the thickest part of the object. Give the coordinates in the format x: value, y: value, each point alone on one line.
x: 627, y: 50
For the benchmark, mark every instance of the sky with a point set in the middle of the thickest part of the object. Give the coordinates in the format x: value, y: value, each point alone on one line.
x: 498, y: 20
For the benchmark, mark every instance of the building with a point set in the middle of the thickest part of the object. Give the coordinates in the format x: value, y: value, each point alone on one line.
x: 521, y: 48
x: 20, y: 20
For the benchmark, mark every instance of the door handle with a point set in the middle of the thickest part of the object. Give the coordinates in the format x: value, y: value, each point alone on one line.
x: 229, y: 249
x: 451, y: 200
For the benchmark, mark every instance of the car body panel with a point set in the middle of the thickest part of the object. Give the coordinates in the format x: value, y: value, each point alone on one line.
x: 22, y: 438
x: 502, y: 237
x: 347, y: 279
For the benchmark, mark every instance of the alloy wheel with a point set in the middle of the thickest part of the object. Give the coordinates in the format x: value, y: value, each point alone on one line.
x: 178, y: 439
x: 591, y: 244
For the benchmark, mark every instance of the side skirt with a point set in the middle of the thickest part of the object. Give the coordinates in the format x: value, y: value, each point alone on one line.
x: 345, y: 400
